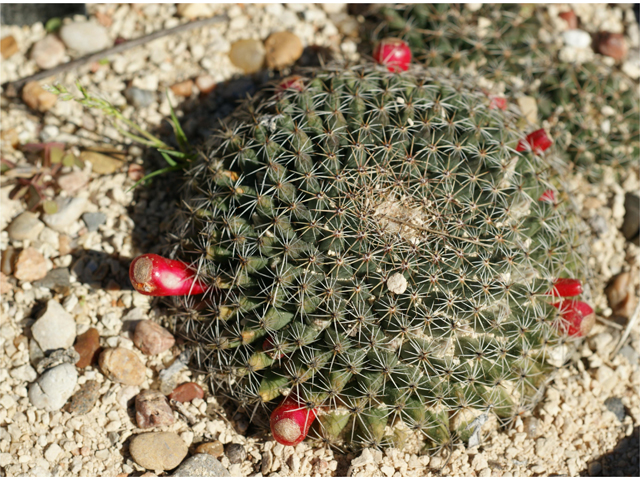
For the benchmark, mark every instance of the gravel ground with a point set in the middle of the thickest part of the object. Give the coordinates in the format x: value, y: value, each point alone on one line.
x: 587, y: 423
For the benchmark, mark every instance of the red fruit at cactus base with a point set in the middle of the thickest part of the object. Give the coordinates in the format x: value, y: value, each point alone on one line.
x: 295, y: 82
x: 537, y: 141
x: 157, y: 276
x: 290, y: 422
x: 566, y: 287
x: 547, y: 196
x: 394, y: 53
x: 498, y: 102
x: 577, y: 317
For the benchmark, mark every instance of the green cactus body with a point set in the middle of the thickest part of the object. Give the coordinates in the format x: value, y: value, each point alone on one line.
x: 377, y: 248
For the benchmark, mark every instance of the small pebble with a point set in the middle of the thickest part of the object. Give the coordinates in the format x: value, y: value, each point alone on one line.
x: 55, y: 328
x: 630, y: 354
x: 69, y: 210
x: 8, y: 46
x: 576, y: 38
x: 282, y: 49
x: 214, y: 448
x: 73, y: 182
x: 25, y: 226
x: 192, y: 11
x: 182, y: 89
x: 247, y: 55
x: 571, y: 19
x: 5, y: 285
x: 594, y: 469
x: 205, y: 83
x: 615, y: 405
x: 138, y: 97
x: 93, y: 220
x: 37, y: 97
x: 85, y: 37
x: 56, y: 279
x: 241, y: 422
x: 88, y: 347
x: 201, y: 465
x: 235, y: 453
x: 53, y: 388
x: 100, y: 163
x: 85, y: 399
x: 122, y: 366
x: 158, y: 450
x: 612, y: 45
x: 30, y: 265
x: 631, y: 223
x: 187, y: 392
x: 57, y: 357
x: 153, y: 410
x: 9, y: 257
x: 152, y: 338
x: 48, y: 52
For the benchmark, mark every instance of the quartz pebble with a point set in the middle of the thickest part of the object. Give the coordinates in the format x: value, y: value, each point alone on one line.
x: 235, y: 453
x: 158, y: 450
x: 30, y: 265
x: 576, y: 38
x: 153, y: 410
x: 152, y: 338
x: 205, y: 83
x: 55, y: 328
x: 85, y: 37
x: 84, y: 399
x: 282, y: 49
x: 247, y: 55
x: 93, y: 220
x: 8, y: 46
x: 201, y: 465
x: 122, y: 366
x: 612, y: 45
x: 138, y: 97
x: 88, y: 347
x: 25, y: 226
x: 214, y: 448
x: 187, y: 392
x: 48, y: 52
x: 37, y: 97
x: 52, y: 390
x: 69, y: 210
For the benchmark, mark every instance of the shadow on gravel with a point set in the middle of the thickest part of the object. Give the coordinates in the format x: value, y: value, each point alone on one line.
x: 622, y: 461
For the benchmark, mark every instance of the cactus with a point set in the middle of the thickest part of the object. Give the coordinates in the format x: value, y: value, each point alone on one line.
x: 594, y: 109
x: 377, y: 251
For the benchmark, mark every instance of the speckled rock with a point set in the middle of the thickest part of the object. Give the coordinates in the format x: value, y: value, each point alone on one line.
x: 187, y: 392
x: 158, y: 450
x: 122, y: 366
x: 247, y: 55
x: 55, y: 328
x: 48, y: 52
x: 85, y: 398
x: 30, y: 265
x: 201, y: 465
x: 153, y: 410
x: 152, y: 338
x: 235, y: 452
x: 54, y: 387
x: 25, y: 226
x: 88, y: 347
x: 282, y: 49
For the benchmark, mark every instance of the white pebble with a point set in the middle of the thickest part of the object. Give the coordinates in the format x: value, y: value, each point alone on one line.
x: 576, y: 38
x: 397, y: 283
x: 55, y: 329
x: 54, y: 387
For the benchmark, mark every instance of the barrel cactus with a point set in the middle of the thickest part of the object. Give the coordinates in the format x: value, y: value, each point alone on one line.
x: 367, y: 253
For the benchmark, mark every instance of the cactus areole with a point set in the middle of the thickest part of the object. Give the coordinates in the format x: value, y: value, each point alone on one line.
x: 378, y: 255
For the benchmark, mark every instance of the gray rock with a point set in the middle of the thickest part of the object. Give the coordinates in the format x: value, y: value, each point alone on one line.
x: 55, y: 328
x: 56, y: 279
x: 630, y: 354
x: 35, y: 353
x: 138, y: 97
x: 52, y: 390
x: 167, y: 376
x: 57, y: 357
x: 615, y: 405
x: 25, y: 226
x: 631, y: 223
x: 201, y: 465
x: 93, y: 220
x: 85, y: 37
x: 235, y: 453
x: 69, y: 210
x: 48, y: 52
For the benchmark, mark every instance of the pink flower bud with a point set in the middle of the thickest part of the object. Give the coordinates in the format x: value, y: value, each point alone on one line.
x: 157, y: 276
x: 547, y: 196
x: 497, y: 102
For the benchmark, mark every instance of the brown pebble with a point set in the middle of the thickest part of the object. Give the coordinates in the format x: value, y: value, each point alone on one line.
x: 205, y: 83
x: 8, y: 46
x: 84, y: 399
x: 570, y: 18
x: 122, y: 365
x: 158, y: 450
x: 612, y: 45
x: 248, y: 55
x: 37, y: 97
x: 618, y: 288
x: 153, y: 410
x: 9, y: 257
x: 30, y: 265
x: 282, y: 49
x: 88, y: 347
x: 152, y: 338
x: 187, y: 392
x: 183, y: 89
x: 215, y: 448
x: 5, y: 285
x: 64, y: 245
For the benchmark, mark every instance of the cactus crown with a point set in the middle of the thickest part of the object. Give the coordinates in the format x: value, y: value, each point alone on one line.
x: 376, y: 247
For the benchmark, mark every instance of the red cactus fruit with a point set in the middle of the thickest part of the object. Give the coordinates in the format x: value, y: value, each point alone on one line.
x: 157, y: 276
x: 497, y: 102
x: 295, y: 82
x: 290, y: 422
x: 577, y: 317
x: 537, y: 141
x: 547, y: 196
x: 566, y: 287
x: 394, y: 53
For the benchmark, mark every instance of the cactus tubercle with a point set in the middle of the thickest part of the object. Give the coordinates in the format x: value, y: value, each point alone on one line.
x: 290, y: 422
x: 157, y: 276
